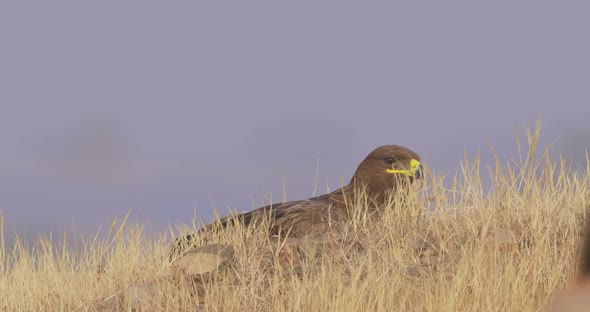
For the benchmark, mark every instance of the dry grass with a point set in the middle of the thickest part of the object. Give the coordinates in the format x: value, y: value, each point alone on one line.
x: 507, y: 248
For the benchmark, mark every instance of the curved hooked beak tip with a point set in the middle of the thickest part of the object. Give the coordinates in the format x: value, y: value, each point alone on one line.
x: 417, y: 169
x: 418, y: 174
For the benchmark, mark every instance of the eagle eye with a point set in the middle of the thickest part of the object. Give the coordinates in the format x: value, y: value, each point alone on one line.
x: 390, y: 159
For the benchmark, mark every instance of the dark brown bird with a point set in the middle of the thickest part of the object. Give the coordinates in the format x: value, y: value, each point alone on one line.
x: 384, y: 172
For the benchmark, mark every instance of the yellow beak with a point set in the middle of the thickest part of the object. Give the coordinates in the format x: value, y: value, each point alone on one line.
x: 415, y: 170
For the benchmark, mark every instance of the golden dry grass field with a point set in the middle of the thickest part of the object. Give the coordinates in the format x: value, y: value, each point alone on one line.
x: 509, y: 246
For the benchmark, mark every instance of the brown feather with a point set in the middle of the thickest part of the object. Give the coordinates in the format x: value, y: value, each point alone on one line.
x: 298, y: 217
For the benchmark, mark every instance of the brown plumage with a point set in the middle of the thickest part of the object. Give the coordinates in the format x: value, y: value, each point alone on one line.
x: 385, y: 171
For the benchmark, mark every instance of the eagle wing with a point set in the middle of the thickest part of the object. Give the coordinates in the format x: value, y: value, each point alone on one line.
x: 295, y: 217
x: 282, y: 215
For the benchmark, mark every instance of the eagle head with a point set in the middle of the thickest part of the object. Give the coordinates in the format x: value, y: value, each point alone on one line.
x: 387, y: 168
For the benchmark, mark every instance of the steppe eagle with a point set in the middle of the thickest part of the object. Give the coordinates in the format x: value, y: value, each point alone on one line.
x: 384, y: 172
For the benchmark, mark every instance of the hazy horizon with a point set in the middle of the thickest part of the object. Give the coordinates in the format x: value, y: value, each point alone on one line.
x: 162, y: 108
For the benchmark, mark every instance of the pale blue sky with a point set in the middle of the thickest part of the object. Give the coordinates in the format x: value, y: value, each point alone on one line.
x: 160, y: 106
